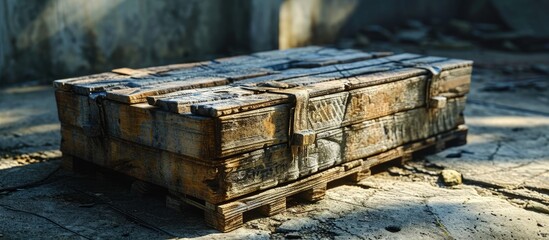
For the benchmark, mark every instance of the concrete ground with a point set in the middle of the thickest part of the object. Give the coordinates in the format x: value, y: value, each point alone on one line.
x: 505, y: 169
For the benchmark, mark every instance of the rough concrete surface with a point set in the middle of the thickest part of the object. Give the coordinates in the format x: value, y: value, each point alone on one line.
x: 44, y: 39
x: 504, y: 195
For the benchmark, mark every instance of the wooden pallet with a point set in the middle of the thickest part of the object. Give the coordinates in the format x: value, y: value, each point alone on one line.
x: 223, y: 129
x: 228, y: 216
x: 210, y: 111
x: 220, y: 134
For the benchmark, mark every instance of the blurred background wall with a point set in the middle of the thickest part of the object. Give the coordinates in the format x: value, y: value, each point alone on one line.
x: 42, y: 40
x: 324, y: 21
x: 47, y: 39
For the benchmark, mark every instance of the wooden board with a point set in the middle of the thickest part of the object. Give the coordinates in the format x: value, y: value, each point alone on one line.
x: 191, y: 182
x: 125, y: 87
x: 194, y: 136
x: 224, y: 132
x: 79, y: 111
x: 228, y: 216
x: 109, y: 77
x: 227, y: 178
x: 250, y: 112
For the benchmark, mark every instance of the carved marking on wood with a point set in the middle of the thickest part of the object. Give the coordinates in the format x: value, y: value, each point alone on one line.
x: 327, y: 112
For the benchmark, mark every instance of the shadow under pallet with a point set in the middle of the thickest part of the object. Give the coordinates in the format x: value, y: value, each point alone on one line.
x: 228, y: 216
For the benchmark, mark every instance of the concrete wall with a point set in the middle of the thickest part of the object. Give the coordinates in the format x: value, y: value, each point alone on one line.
x: 47, y: 39
x: 303, y: 22
x: 264, y: 21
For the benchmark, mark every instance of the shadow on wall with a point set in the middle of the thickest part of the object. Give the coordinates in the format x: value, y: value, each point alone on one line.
x: 43, y: 40
x: 324, y: 21
x: 315, y: 21
x: 52, y: 39
x: 46, y: 40
x: 331, y: 21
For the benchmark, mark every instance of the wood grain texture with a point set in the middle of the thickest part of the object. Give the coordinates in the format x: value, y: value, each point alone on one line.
x: 220, y: 180
x: 79, y: 111
x: 232, y: 69
x: 274, y: 208
x: 139, y: 92
x: 324, y: 113
x: 110, y: 77
x: 211, y: 181
x: 282, y: 75
x: 228, y: 216
x: 205, y: 138
x: 290, y: 73
x: 378, y: 135
x: 181, y: 101
x: 325, y: 83
x: 183, y: 134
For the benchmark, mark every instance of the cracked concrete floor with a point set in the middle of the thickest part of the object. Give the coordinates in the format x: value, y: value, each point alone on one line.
x: 505, y: 168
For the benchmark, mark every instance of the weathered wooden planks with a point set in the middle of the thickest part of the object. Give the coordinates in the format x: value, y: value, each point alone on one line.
x: 186, y: 134
x: 212, y: 181
x: 265, y: 126
x: 228, y: 216
x: 234, y: 68
x: 328, y: 83
x: 79, y: 111
x: 222, y: 129
x: 221, y: 74
x: 113, y: 77
x: 152, y: 165
x: 248, y: 172
x: 181, y: 99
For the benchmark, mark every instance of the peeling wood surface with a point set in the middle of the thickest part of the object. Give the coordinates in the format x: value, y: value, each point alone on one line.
x: 229, y: 216
x: 224, y: 128
x: 264, y: 168
x: 252, y: 116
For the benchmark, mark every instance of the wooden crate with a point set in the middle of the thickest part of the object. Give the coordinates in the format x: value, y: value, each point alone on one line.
x: 222, y: 129
x: 228, y: 216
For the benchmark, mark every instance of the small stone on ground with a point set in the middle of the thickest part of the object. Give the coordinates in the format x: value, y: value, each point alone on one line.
x: 451, y: 177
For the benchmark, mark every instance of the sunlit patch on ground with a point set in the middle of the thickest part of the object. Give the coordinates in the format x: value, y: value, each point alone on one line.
x: 508, y: 121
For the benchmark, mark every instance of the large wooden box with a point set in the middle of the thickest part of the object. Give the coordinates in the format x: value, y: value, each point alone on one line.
x: 221, y: 129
